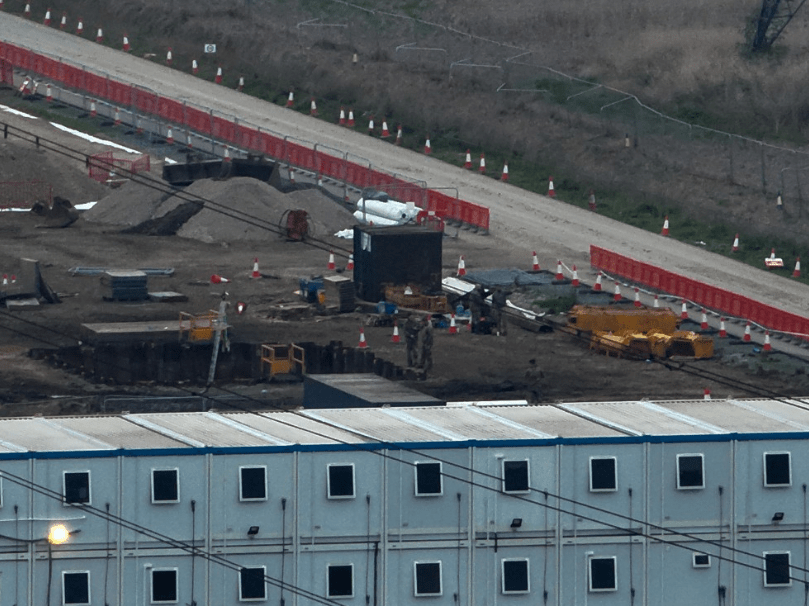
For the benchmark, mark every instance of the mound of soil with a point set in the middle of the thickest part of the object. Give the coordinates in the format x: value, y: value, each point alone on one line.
x: 129, y: 205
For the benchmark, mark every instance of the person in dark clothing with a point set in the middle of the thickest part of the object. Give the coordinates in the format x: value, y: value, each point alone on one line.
x: 411, y: 334
x: 425, y: 344
x: 533, y: 379
x: 498, y: 310
x: 476, y: 307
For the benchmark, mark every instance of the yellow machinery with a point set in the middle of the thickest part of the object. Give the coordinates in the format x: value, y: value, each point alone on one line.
x: 282, y: 359
x: 587, y: 318
x: 198, y: 328
x: 638, y: 345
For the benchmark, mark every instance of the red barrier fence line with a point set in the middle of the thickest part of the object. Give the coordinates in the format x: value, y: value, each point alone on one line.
x: 698, y: 292
x: 180, y: 114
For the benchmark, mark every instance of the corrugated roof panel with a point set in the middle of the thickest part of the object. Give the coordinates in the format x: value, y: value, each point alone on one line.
x: 293, y: 428
x: 746, y: 416
x: 377, y: 424
x: 469, y: 424
x: 200, y: 428
x: 117, y: 431
x: 645, y: 418
x: 39, y: 435
x: 553, y: 420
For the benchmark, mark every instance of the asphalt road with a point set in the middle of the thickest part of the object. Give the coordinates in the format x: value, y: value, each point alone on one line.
x: 519, y: 219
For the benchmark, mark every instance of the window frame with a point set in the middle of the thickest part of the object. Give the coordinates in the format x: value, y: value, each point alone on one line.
x: 701, y: 457
x: 694, y: 563
x: 503, y: 589
x: 614, y: 473
x: 328, y: 582
x: 176, y: 599
x: 789, y: 568
x: 590, y: 561
x: 353, y: 494
x: 86, y: 574
x: 244, y: 499
x: 440, y: 479
x: 89, y: 500
x: 789, y: 462
x: 416, y: 565
x: 263, y: 570
x: 176, y: 471
x: 527, y: 476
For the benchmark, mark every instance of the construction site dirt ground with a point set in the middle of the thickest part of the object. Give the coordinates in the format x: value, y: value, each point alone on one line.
x: 466, y: 366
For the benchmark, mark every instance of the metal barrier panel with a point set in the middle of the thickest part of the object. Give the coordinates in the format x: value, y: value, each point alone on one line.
x: 330, y: 166
x: 120, y: 94
x: 222, y: 129
x: 197, y: 119
x: 145, y: 102
x: 356, y: 175
x: 95, y: 85
x: 170, y: 110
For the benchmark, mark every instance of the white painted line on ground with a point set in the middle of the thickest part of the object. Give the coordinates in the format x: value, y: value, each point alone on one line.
x: 17, y: 112
x: 93, y: 139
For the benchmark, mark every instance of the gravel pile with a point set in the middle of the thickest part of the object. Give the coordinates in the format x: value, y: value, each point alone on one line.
x: 236, y: 209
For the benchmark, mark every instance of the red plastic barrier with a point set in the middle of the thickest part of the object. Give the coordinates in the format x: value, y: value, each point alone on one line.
x: 251, y: 139
x: 223, y: 130
x: 198, y: 120
x: 274, y: 146
x: 95, y: 85
x: 119, y: 94
x: 698, y: 292
x: 170, y: 110
x: 146, y: 102
x: 329, y: 166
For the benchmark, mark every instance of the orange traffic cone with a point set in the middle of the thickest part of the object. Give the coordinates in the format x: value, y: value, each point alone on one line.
x: 169, y: 56
x: 350, y: 123
x: 735, y: 247
x: 398, y: 136
x: 385, y: 132
x: 93, y: 108
x: 362, y: 344
x: 350, y: 263
x: 617, y: 295
x: 657, y: 303
x: 49, y: 97
x: 217, y: 279
x: 13, y: 279
x: 637, y: 298
x: 453, y: 328
x: 703, y: 324
x: 665, y: 230
x: 575, y: 280
x: 292, y: 175
x: 461, y: 267
x: 126, y: 46
x: 706, y: 394
x: 428, y: 149
x: 170, y: 136
x: 551, y: 191
x: 747, y: 336
x: 504, y: 176
x: 227, y: 154
x: 597, y: 285
x: 80, y: 28
x: 371, y: 126
x: 218, y: 78
x: 535, y: 262
x: 331, y: 265
x: 100, y: 36
x: 5, y: 279
x: 468, y: 162
x: 312, y: 107
x: 63, y: 22
x: 240, y: 307
x: 194, y: 67
x: 27, y: 12
x: 256, y: 273
x: 796, y: 273
x: 559, y: 275
x: 291, y: 99
x: 47, y: 20
x: 482, y: 168
x: 767, y: 345
x: 722, y: 331
x: 395, y: 338
x: 117, y: 119
x: 342, y: 120
x: 240, y: 87
x: 684, y: 311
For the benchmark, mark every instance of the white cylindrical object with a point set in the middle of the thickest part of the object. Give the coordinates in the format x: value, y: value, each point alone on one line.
x: 398, y: 211
x: 375, y: 219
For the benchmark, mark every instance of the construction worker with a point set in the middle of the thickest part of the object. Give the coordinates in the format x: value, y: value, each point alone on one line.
x: 411, y: 334
x: 476, y: 307
x: 533, y: 380
x: 498, y: 310
x: 425, y: 344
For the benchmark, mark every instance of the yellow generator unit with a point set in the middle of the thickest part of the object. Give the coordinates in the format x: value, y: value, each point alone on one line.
x: 588, y: 318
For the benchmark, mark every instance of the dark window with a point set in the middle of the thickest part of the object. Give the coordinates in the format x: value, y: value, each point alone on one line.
x: 253, y: 483
x: 164, y: 586
x: 602, y: 574
x: 689, y: 471
x: 602, y: 474
x: 428, y: 578
x: 340, y: 581
x: 776, y: 569
x: 777, y: 469
x: 515, y: 576
x: 165, y: 486
x: 77, y: 487
x: 515, y: 476
x: 341, y: 481
x: 702, y: 560
x: 428, y: 479
x: 76, y: 587
x: 251, y: 584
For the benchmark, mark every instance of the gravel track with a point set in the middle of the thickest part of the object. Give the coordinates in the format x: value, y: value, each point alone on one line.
x: 519, y: 219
